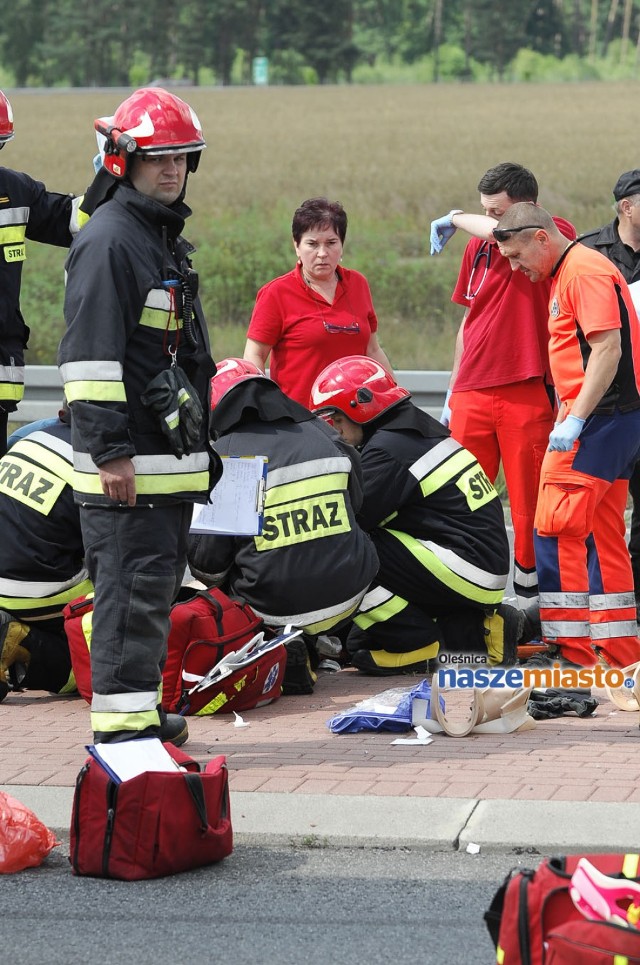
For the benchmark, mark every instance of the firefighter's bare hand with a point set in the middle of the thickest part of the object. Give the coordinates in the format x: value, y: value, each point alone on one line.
x: 118, y: 480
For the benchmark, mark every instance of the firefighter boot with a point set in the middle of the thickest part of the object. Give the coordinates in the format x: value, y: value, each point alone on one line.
x: 173, y: 729
x: 383, y: 663
x: 12, y: 652
x: 502, y: 629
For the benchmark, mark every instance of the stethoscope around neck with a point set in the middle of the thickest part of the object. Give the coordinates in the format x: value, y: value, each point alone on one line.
x: 482, y: 254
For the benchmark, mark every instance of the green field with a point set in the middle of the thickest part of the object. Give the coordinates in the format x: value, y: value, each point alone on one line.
x: 396, y: 157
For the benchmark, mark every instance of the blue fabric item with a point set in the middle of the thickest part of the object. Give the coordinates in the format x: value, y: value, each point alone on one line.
x: 388, y: 711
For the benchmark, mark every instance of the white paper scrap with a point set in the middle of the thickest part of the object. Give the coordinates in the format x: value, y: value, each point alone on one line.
x: 239, y: 721
x: 473, y: 848
x: 422, y: 737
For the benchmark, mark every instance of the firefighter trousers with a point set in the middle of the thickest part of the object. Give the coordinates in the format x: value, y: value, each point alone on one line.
x: 136, y: 558
x: 510, y: 424
x: 587, y: 602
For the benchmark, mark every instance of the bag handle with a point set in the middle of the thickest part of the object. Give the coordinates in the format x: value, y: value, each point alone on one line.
x: 196, y: 790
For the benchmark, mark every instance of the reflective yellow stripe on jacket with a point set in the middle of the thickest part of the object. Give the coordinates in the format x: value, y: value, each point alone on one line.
x: 163, y: 474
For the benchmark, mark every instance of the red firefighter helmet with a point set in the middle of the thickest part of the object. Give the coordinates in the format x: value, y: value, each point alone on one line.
x: 357, y: 386
x: 151, y: 121
x: 6, y: 120
x: 231, y: 372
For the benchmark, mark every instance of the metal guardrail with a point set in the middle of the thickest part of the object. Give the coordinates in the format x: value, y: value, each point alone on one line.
x: 43, y: 391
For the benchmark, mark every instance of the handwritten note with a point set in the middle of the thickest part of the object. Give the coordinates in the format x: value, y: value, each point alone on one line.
x: 237, y: 500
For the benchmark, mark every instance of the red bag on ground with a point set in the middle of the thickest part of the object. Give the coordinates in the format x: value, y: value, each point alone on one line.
x: 593, y: 943
x: 249, y: 677
x: 24, y: 840
x: 152, y: 825
x: 531, y: 905
x: 204, y: 629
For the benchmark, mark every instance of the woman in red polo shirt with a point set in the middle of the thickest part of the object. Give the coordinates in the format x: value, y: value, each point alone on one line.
x: 318, y: 312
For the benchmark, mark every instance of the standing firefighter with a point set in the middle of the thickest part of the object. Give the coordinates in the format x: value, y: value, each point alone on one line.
x: 136, y: 368
x: 437, y: 525
x: 27, y: 210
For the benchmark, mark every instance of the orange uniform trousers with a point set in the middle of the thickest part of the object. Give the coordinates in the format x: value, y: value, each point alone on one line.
x: 587, y: 603
x: 509, y: 423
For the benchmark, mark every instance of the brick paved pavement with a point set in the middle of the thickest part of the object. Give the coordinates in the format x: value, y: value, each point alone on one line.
x: 287, y: 747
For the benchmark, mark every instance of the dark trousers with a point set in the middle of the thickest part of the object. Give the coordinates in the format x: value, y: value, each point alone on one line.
x: 50, y: 664
x: 136, y: 559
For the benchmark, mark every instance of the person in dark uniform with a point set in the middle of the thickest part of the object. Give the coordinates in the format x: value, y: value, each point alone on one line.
x: 311, y: 564
x: 619, y: 241
x: 437, y: 525
x: 27, y: 211
x: 136, y: 368
x: 41, y: 559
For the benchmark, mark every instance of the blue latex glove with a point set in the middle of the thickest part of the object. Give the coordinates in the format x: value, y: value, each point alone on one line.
x: 445, y: 418
x: 442, y: 229
x: 97, y: 162
x: 564, y: 434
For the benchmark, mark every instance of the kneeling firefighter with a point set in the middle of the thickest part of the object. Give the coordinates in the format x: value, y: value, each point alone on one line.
x: 312, y: 563
x: 437, y: 525
x: 41, y: 560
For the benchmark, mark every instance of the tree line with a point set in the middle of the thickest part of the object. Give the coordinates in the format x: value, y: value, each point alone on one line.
x: 116, y: 43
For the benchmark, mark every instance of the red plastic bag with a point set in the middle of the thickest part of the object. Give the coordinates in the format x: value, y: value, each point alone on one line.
x: 24, y: 840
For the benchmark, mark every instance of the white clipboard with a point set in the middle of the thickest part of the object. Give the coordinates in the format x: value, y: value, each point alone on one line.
x: 237, y: 500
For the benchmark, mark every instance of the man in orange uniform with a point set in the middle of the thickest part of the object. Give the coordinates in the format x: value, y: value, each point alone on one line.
x: 499, y: 383
x: 587, y: 604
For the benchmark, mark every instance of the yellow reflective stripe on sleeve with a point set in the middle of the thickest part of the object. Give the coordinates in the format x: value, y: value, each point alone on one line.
x: 11, y: 391
x: 476, y: 487
x: 620, y: 960
x: 99, y: 381
x: 311, y: 486
x: 445, y: 473
x: 489, y: 588
x: 95, y: 392
x: 304, y: 520
x: 499, y: 955
x: 29, y: 484
x: 13, y: 234
x: 630, y: 865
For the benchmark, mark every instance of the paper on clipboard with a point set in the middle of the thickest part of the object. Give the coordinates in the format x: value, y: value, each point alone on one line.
x: 237, y: 499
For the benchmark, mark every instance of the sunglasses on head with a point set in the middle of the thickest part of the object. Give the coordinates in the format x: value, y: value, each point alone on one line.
x: 503, y: 234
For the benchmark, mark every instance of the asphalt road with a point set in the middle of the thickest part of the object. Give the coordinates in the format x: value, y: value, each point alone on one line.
x: 275, y: 907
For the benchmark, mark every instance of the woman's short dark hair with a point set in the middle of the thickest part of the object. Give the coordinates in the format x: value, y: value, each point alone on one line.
x: 319, y: 213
